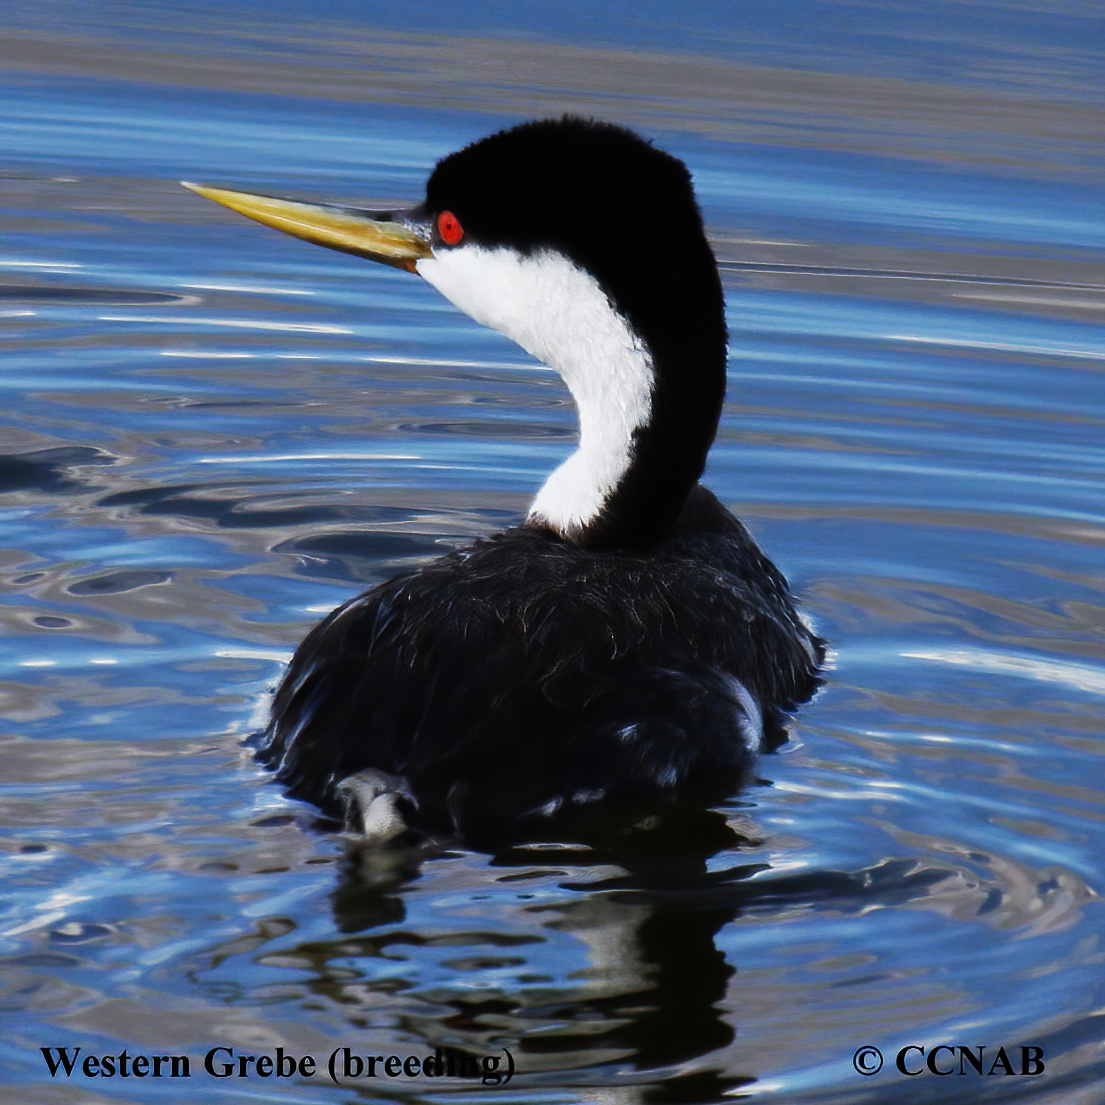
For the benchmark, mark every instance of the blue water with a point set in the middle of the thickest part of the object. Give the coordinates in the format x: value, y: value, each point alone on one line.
x: 212, y: 434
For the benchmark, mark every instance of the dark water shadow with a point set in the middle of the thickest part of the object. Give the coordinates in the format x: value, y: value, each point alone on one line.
x: 358, y: 555
x: 221, y: 505
x: 47, y: 470
x: 102, y: 297
x: 117, y: 583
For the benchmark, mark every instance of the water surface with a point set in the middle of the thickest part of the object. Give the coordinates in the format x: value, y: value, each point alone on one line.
x: 212, y: 434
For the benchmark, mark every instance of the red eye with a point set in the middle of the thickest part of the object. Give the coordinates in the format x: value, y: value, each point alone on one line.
x: 448, y: 226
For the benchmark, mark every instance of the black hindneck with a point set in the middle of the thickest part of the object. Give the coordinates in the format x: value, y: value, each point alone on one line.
x: 668, y: 452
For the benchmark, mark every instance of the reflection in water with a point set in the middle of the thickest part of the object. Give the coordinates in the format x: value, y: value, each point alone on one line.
x: 650, y: 996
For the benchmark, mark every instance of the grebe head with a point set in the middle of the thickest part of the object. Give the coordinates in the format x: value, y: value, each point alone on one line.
x: 584, y: 244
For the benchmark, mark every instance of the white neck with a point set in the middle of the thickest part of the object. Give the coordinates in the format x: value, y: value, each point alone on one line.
x: 558, y: 312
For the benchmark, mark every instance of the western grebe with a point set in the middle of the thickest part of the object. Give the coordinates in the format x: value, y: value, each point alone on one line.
x: 628, y: 646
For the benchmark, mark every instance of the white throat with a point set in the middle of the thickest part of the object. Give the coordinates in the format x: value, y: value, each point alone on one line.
x: 558, y: 312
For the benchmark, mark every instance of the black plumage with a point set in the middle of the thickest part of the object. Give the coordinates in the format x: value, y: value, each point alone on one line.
x: 524, y: 686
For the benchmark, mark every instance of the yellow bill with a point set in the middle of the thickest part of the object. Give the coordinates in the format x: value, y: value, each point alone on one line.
x: 388, y: 237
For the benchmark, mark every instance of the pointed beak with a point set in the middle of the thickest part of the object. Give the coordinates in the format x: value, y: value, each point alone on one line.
x: 397, y: 238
